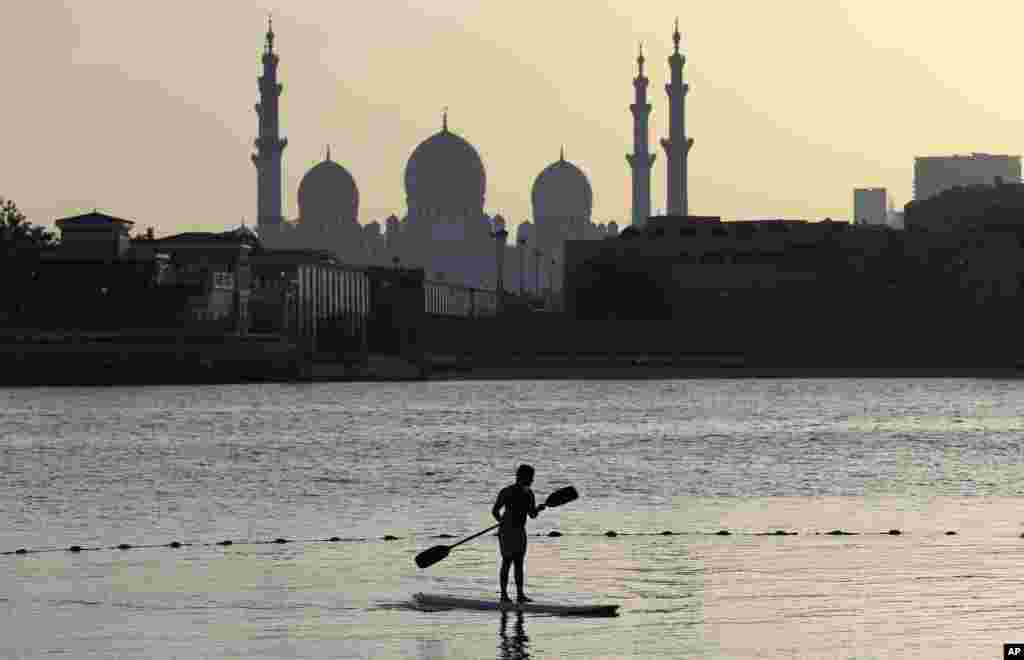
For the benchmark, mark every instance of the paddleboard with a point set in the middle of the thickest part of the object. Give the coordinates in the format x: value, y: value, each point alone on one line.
x: 457, y: 602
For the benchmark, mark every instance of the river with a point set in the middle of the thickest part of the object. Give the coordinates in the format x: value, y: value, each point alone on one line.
x: 939, y: 460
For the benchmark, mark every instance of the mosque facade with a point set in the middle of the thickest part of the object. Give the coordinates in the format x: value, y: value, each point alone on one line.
x: 446, y: 230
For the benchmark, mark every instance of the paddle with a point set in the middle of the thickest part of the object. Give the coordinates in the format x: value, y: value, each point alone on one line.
x: 431, y: 556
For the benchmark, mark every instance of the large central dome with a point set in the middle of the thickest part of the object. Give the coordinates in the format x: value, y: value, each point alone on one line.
x: 445, y: 176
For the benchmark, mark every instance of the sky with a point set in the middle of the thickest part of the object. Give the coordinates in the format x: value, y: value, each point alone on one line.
x: 145, y: 110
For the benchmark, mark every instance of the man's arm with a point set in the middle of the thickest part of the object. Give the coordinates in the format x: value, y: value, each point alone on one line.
x: 498, y: 503
x: 534, y: 509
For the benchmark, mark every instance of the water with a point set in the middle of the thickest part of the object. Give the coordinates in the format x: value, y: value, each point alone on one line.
x: 146, y: 466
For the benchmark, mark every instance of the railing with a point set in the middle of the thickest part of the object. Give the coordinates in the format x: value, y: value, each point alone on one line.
x: 446, y: 299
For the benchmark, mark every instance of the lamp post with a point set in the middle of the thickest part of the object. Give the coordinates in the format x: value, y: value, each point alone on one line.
x: 500, y: 235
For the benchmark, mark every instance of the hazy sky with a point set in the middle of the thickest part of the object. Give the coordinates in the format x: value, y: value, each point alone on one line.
x: 145, y: 109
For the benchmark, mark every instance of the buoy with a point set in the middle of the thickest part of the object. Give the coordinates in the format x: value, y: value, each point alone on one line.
x: 611, y: 533
x: 554, y: 534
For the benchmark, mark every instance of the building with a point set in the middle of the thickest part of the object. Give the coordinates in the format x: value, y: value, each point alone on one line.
x: 977, y: 207
x: 798, y: 278
x: 934, y: 174
x: 562, y: 202
x: 870, y: 206
x: 94, y: 236
x: 446, y: 230
x: 97, y: 278
x: 215, y: 269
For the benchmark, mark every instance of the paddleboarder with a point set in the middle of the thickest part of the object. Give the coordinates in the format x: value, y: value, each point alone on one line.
x: 518, y: 502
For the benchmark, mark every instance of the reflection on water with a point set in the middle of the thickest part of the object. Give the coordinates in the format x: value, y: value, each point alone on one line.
x: 513, y: 645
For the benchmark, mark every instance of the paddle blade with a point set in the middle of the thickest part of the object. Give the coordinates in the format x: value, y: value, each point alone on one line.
x: 431, y: 556
x: 561, y: 496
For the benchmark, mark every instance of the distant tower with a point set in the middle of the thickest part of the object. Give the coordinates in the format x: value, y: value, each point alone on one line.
x: 677, y: 145
x: 641, y: 160
x: 269, y: 144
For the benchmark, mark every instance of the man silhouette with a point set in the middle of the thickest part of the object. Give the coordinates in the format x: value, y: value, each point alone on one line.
x: 518, y: 502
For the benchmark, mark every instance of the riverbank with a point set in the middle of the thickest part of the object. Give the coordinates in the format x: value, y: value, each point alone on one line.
x: 645, y: 367
x: 167, y: 360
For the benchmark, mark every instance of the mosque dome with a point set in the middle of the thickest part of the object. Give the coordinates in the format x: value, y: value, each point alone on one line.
x: 562, y: 190
x: 445, y: 175
x: 328, y: 193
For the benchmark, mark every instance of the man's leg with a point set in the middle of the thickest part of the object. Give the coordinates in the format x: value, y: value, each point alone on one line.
x: 503, y: 578
x: 520, y: 585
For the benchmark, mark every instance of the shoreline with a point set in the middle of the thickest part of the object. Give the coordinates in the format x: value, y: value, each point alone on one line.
x: 383, y: 369
x: 588, y: 373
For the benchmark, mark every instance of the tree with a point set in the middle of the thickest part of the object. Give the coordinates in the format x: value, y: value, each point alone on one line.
x: 17, y: 235
x: 976, y: 207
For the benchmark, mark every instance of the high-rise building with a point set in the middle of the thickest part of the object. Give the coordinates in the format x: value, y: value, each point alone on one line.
x: 933, y: 174
x: 870, y: 206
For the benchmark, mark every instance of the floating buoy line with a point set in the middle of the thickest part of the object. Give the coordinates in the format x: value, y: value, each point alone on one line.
x: 611, y: 533
x: 189, y: 544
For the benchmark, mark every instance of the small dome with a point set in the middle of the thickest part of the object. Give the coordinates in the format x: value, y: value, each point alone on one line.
x: 562, y: 191
x: 445, y: 174
x: 328, y: 193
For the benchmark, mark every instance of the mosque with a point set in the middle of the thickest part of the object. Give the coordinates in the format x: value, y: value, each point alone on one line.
x: 446, y: 230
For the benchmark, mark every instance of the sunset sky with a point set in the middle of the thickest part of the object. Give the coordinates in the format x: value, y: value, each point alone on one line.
x: 145, y: 110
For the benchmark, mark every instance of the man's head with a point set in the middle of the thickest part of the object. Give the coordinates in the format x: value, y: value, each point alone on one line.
x: 524, y: 475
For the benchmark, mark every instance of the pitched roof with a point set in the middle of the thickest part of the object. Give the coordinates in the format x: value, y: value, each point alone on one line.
x: 93, y: 218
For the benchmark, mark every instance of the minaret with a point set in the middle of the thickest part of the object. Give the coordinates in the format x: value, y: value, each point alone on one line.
x: 677, y: 145
x: 269, y: 144
x: 641, y: 160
